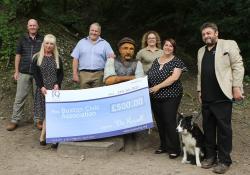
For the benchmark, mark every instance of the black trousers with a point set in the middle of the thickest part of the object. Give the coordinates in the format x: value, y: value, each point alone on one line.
x: 165, y: 113
x: 218, y: 130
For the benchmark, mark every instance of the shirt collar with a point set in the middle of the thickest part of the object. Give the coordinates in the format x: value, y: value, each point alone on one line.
x: 213, y: 49
x: 150, y: 50
x: 28, y: 36
x: 98, y: 40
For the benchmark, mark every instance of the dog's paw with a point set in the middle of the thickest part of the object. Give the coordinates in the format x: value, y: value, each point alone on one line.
x: 185, y: 161
x: 198, y: 164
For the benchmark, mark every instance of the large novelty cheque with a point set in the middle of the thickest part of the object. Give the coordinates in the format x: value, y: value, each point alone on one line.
x: 74, y: 115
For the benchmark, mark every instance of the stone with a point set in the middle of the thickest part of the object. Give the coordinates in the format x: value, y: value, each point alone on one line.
x: 102, y: 148
x: 140, y: 140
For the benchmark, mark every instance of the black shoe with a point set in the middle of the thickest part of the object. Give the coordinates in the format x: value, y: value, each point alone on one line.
x: 160, y: 151
x: 54, y: 145
x: 220, y: 168
x: 173, y: 156
x: 43, y: 143
x: 208, y: 163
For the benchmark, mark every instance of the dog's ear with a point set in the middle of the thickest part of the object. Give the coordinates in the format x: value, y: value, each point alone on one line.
x: 190, y: 117
x: 179, y: 116
x: 192, y: 123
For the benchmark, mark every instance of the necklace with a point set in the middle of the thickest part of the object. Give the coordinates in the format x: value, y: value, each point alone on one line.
x: 163, y: 60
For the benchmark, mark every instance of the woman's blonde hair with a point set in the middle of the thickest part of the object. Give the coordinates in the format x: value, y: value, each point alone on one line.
x: 52, y: 39
x: 145, y: 38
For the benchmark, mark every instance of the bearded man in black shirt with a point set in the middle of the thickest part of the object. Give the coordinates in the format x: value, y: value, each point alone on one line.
x: 220, y: 77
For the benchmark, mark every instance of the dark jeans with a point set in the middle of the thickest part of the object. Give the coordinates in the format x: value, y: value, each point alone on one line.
x: 165, y: 113
x: 217, y: 127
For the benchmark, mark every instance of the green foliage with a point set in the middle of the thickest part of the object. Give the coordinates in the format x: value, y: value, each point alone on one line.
x: 247, y: 79
x: 177, y: 19
x: 8, y: 31
x: 29, y: 8
x: 232, y: 19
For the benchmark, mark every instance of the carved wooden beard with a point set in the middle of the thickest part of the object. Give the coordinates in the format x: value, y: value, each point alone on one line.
x: 127, y: 51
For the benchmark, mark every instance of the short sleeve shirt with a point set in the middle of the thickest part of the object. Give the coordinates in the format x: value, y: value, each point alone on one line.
x: 147, y: 57
x: 112, y: 70
x: 157, y: 76
x: 92, y: 56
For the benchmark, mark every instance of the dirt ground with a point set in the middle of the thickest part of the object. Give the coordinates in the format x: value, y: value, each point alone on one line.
x: 21, y: 154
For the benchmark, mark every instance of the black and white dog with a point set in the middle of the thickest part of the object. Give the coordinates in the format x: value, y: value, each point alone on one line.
x: 192, y: 139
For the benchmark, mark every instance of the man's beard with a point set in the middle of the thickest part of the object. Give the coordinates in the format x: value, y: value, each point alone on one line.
x: 128, y: 58
x: 211, y: 42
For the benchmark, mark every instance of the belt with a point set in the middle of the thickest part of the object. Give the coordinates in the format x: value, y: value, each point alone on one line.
x: 88, y: 70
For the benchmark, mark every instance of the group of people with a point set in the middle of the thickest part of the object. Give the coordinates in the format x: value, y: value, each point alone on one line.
x: 220, y: 76
x: 37, y: 66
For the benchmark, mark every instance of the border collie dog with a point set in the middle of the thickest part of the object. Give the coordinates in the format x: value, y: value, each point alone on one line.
x: 192, y: 139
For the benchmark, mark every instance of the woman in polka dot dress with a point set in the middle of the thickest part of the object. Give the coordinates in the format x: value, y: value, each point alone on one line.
x: 48, y: 74
x: 166, y: 93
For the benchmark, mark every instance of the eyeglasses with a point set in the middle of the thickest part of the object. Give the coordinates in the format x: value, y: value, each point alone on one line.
x: 151, y: 38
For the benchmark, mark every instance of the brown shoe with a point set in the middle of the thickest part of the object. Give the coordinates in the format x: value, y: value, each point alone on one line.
x: 221, y: 168
x: 11, y: 126
x: 39, y: 125
x: 208, y: 163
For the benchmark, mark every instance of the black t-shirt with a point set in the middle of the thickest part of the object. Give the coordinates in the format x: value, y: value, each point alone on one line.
x: 210, y: 88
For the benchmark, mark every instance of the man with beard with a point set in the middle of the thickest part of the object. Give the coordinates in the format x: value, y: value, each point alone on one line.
x: 124, y: 67
x: 220, y: 76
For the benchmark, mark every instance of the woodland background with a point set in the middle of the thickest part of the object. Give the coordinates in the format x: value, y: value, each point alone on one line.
x: 69, y: 20
x: 178, y: 19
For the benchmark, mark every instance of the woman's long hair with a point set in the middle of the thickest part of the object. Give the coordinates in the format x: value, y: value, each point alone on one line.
x: 52, y: 39
x: 145, y: 39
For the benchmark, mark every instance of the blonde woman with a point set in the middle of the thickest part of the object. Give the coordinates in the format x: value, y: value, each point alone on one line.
x: 151, y: 49
x: 48, y: 74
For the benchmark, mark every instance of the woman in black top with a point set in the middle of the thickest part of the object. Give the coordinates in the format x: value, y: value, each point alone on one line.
x: 48, y: 74
x: 166, y: 93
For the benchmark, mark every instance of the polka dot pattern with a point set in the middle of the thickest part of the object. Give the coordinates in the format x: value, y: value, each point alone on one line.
x: 157, y: 75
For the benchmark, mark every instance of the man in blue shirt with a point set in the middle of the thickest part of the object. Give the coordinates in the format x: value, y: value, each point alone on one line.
x: 89, y: 57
